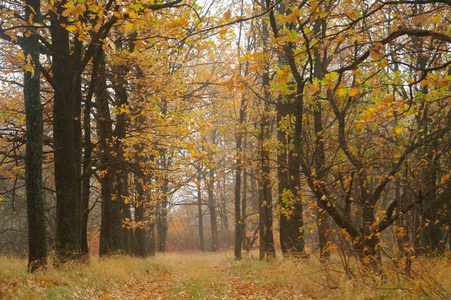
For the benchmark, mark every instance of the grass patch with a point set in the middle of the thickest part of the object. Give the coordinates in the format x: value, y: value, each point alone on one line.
x: 197, y: 279
x: 430, y: 278
x: 74, y: 280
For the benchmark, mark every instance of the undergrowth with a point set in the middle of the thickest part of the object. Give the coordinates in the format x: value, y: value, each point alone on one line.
x: 429, y: 278
x: 213, y: 275
x: 73, y: 280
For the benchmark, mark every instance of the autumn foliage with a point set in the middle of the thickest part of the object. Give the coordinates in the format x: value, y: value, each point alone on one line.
x: 317, y: 128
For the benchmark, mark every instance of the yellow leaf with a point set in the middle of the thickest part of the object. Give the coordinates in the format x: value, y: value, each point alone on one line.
x: 183, y: 22
x: 342, y: 92
x: 354, y: 91
x: 71, y: 28
x: 128, y: 26
x: 281, y: 18
x: 436, y: 19
x: 292, y: 17
x: 398, y: 130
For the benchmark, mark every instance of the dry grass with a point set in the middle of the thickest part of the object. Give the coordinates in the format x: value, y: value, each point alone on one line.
x: 430, y: 278
x: 74, y: 280
x: 202, y: 276
x: 197, y: 279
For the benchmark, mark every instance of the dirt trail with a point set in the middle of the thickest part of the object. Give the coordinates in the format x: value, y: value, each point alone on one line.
x: 166, y: 285
x: 152, y: 287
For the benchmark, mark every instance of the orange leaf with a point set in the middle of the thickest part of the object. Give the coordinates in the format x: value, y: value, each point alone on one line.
x: 227, y: 14
x: 353, y: 91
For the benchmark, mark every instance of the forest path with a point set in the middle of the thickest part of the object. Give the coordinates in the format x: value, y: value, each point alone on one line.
x: 202, y: 276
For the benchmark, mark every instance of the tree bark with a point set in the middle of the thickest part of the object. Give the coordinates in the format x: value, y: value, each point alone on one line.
x: 200, y: 212
x: 68, y: 206
x: 267, y: 249
x: 140, y: 231
x: 111, y: 222
x: 320, y: 67
x: 162, y: 222
x: 86, y: 176
x: 121, y: 173
x: 212, y: 210
x: 37, y: 241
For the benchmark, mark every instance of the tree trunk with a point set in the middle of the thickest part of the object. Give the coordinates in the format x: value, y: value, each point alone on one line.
x: 86, y: 176
x: 111, y: 225
x: 200, y: 213
x: 37, y: 241
x: 162, y: 223
x: 320, y: 69
x: 267, y: 250
x: 87, y: 157
x: 120, y: 132
x: 151, y: 241
x: 140, y: 231
x: 68, y: 208
x: 212, y: 210
x: 243, y: 210
x: 237, y: 203
x: 284, y: 193
x: 291, y: 219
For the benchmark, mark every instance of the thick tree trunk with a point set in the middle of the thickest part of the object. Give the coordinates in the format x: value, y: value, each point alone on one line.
x: 111, y: 223
x: 37, y: 241
x: 120, y: 133
x: 267, y: 249
x: 283, y: 185
x: 68, y: 208
x: 151, y: 241
x: 291, y: 220
x: 78, y: 137
x: 430, y: 208
x: 87, y: 157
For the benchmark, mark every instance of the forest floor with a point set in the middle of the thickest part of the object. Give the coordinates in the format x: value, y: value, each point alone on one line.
x: 219, y: 276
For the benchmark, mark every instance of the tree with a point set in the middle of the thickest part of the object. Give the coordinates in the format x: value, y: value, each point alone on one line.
x: 37, y: 242
x: 267, y: 249
x: 361, y: 184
